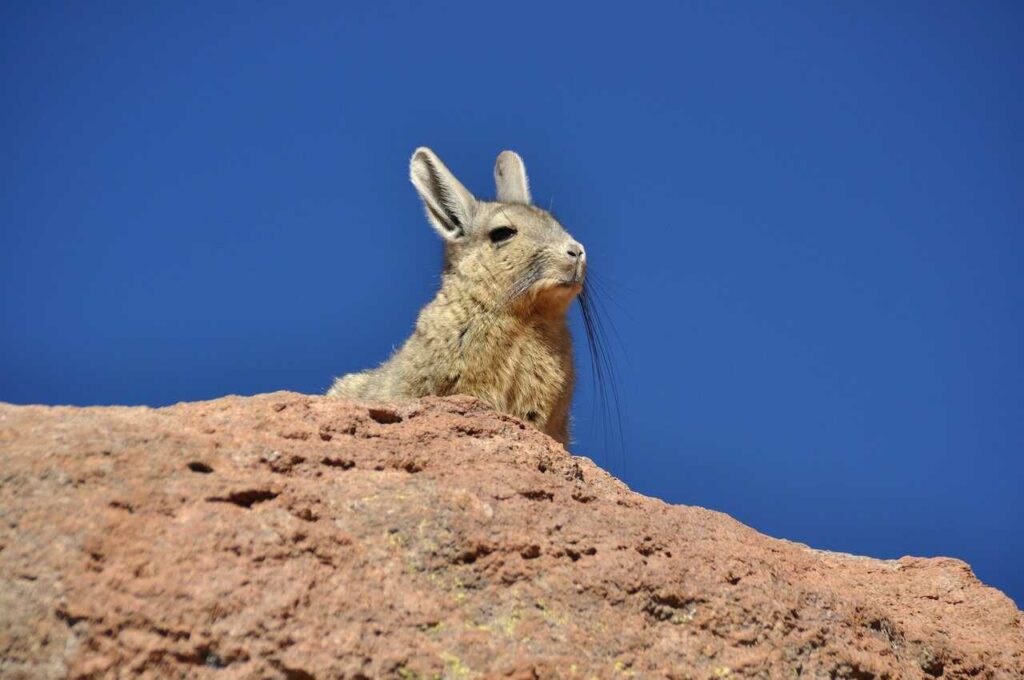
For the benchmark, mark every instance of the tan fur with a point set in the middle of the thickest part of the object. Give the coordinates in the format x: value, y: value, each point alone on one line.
x: 497, y: 328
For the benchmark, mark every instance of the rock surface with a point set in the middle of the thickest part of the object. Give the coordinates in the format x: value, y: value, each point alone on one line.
x: 299, y: 537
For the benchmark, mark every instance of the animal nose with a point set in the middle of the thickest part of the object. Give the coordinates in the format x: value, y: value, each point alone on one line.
x: 576, y: 251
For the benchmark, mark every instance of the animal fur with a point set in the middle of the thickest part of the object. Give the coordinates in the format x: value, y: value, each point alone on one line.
x: 497, y: 328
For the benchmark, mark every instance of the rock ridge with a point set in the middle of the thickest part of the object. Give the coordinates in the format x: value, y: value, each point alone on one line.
x: 292, y: 536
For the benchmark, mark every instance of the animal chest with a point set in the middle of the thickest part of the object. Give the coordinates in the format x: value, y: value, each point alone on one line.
x: 523, y: 371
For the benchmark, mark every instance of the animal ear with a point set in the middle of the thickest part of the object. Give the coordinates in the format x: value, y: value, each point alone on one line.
x: 510, y: 177
x: 450, y: 206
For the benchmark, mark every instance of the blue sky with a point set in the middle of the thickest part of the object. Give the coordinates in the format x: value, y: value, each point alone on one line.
x: 808, y: 219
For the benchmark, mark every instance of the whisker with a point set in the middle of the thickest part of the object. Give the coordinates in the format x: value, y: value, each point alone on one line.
x: 602, y: 286
x: 603, y: 374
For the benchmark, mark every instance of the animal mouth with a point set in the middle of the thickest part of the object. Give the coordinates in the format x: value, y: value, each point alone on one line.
x: 577, y: 275
x: 567, y: 282
x: 573, y: 281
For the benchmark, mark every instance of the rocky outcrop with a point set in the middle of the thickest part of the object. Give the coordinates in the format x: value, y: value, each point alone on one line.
x: 300, y: 537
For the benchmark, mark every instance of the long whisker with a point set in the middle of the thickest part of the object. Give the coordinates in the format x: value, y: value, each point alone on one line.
x: 602, y: 287
x: 604, y: 376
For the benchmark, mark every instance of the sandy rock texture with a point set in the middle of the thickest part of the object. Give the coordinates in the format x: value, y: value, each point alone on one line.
x: 290, y: 536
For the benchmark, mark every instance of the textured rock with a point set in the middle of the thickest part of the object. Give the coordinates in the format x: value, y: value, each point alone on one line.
x: 291, y: 536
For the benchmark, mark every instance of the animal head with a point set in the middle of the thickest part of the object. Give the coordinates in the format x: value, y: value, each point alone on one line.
x: 516, y: 253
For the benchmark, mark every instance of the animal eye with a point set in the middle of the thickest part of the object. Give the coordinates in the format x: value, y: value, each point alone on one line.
x: 500, y: 234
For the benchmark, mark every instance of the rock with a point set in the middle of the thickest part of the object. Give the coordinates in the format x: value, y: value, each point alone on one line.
x: 301, y: 537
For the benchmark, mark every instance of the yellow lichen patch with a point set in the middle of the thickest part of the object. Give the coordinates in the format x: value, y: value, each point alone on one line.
x: 683, y: 617
x: 472, y: 625
x: 454, y: 668
x: 722, y: 671
x: 507, y: 624
x: 445, y: 580
x: 623, y: 670
x: 406, y: 673
x: 551, y: 614
x: 433, y: 628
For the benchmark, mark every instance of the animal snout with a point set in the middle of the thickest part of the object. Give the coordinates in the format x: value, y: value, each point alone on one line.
x: 575, y: 251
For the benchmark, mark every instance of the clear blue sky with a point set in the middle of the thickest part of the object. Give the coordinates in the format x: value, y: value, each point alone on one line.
x: 809, y: 219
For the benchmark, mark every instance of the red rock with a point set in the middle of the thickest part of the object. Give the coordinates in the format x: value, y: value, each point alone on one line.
x: 292, y: 536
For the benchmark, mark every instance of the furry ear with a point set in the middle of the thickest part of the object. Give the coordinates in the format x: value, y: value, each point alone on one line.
x: 510, y: 177
x: 450, y: 206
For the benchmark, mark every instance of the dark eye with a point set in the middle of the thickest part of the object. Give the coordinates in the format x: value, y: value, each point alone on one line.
x: 500, y: 234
